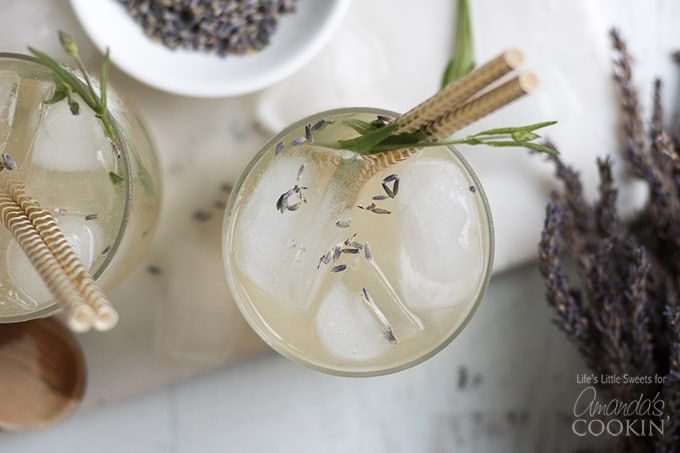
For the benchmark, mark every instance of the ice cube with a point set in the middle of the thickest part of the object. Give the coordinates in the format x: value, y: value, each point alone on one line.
x: 18, y: 125
x: 279, y: 252
x: 11, y: 300
x: 70, y: 143
x: 346, y: 328
x: 24, y: 276
x: 9, y: 88
x: 266, y: 238
x: 441, y: 248
x: 82, y: 237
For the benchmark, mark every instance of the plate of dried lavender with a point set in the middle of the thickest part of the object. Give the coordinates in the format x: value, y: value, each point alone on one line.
x: 210, y: 48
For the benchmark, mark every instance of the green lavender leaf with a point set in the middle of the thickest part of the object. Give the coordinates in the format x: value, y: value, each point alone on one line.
x: 512, y: 130
x: 360, y: 126
x: 532, y: 146
x: 405, y: 139
x: 115, y: 178
x: 68, y: 44
x: 104, y: 82
x: 364, y: 143
x: 68, y: 83
x: 73, y: 106
x: 382, y: 140
x: 524, y: 136
x: 65, y: 77
x: 462, y: 61
x: 60, y: 93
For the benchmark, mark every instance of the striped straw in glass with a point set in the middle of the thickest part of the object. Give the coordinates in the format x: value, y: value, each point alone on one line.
x: 79, y: 315
x: 47, y: 227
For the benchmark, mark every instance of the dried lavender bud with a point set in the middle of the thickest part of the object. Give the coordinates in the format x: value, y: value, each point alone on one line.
x: 577, y: 218
x: 338, y: 268
x: 318, y: 125
x: 308, y: 133
x: 568, y: 315
x: 605, y: 209
x: 636, y: 296
x: 279, y: 148
x: 343, y: 223
x: 671, y: 387
x: 298, y: 141
x: 227, y: 27
x: 8, y: 162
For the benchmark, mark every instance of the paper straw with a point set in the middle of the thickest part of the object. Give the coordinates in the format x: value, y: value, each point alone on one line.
x: 379, y: 161
x: 79, y: 316
x: 456, y: 105
x: 49, y: 231
x: 444, y: 126
x: 458, y: 92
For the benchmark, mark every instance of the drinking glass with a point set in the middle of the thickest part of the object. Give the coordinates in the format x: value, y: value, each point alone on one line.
x: 105, y: 197
x: 356, y: 265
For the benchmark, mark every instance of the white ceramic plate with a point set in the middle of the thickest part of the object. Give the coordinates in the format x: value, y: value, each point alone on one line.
x: 298, y: 38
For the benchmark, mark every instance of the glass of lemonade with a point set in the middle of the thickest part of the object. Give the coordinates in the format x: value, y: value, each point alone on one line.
x: 354, y: 268
x: 105, y: 198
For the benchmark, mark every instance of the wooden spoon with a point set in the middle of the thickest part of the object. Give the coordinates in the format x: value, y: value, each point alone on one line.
x: 42, y: 374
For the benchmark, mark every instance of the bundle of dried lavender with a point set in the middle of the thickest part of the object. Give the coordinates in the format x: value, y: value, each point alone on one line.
x: 623, y: 315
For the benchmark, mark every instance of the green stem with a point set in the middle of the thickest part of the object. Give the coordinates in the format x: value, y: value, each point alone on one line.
x: 65, y: 77
x: 90, y: 87
x: 97, y: 102
x: 383, y: 139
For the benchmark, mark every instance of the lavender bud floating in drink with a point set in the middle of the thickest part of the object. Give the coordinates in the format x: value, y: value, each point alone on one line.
x: 387, y: 254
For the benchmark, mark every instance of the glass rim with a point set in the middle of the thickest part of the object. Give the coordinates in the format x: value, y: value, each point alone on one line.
x: 52, y: 307
x: 269, y: 336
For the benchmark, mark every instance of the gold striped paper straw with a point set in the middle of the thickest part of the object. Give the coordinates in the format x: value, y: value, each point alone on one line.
x: 49, y: 231
x: 79, y: 316
x: 380, y: 161
x: 458, y: 92
x: 444, y: 126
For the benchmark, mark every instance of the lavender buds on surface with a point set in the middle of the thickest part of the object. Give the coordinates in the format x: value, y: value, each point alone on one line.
x: 623, y: 314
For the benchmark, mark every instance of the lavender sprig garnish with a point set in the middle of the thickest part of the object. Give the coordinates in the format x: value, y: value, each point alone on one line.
x: 388, y: 134
x: 68, y: 84
x: 376, y: 138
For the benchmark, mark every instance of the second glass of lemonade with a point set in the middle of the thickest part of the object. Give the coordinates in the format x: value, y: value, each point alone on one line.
x: 350, y: 265
x: 104, y: 196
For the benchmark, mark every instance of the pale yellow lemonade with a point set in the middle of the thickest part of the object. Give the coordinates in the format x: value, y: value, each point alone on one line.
x: 350, y: 270
x: 105, y: 199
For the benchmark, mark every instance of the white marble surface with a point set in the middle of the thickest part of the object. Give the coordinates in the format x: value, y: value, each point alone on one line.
x: 507, y: 384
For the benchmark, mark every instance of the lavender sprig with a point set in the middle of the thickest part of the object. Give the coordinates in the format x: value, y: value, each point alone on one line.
x: 628, y: 270
x: 671, y: 390
x: 383, y: 135
x: 569, y: 314
x: 68, y: 84
x: 375, y: 138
